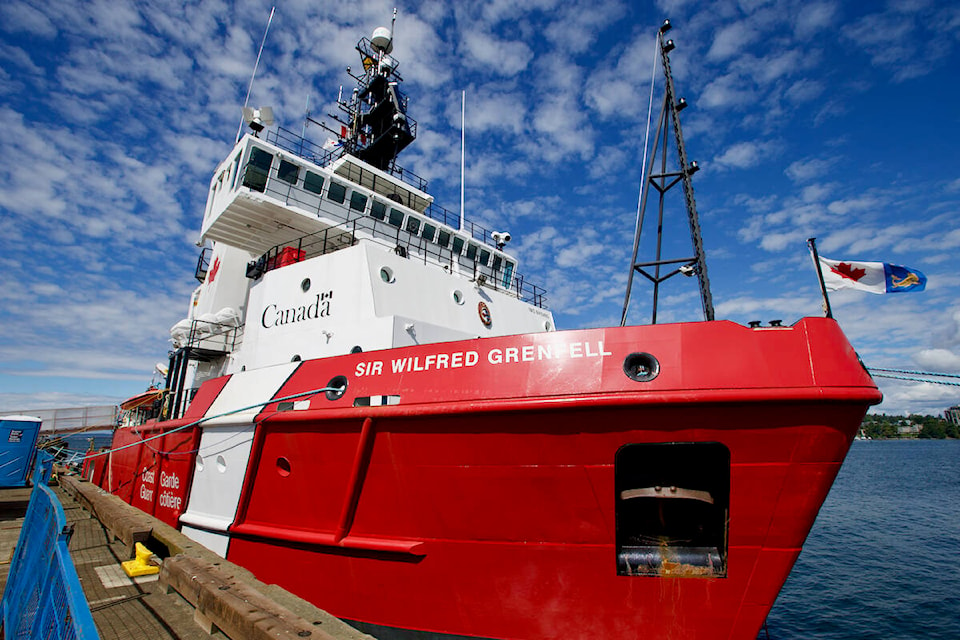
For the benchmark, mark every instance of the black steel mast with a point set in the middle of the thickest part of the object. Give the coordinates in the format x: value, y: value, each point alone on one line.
x: 662, y: 182
x: 377, y: 127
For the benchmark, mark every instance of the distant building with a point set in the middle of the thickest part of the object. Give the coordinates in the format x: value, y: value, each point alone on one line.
x: 909, y: 430
x: 952, y: 415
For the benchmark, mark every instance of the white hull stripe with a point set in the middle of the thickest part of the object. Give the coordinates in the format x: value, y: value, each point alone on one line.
x: 225, y: 443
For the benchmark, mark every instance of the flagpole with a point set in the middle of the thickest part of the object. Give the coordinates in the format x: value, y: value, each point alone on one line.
x: 812, y: 243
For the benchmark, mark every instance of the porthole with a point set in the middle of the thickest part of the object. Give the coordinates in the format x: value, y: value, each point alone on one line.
x: 386, y: 274
x: 283, y: 466
x: 547, y: 326
x: 457, y: 296
x: 199, y: 463
x: 221, y: 464
x: 295, y: 358
x: 305, y: 285
x: 336, y: 387
x: 642, y: 367
x: 356, y: 349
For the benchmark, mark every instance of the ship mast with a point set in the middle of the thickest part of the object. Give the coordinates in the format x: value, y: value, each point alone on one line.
x: 376, y: 128
x: 662, y: 182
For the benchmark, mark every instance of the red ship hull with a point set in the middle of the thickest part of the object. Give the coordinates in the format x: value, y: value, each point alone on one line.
x: 520, y: 496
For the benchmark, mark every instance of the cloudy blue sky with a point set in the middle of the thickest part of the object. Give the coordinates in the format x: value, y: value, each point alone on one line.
x: 826, y: 118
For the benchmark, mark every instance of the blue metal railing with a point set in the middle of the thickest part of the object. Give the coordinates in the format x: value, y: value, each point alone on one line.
x: 43, y: 597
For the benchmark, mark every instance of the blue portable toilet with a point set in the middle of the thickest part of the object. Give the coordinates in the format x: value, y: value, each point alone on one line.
x: 18, y: 439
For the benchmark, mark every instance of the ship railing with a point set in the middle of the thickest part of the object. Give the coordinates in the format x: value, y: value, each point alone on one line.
x: 257, y: 178
x: 405, y: 244
x: 355, y: 213
x: 312, y: 152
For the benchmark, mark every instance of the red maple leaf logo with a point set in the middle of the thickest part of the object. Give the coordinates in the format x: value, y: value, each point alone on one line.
x: 845, y: 270
x: 214, y: 269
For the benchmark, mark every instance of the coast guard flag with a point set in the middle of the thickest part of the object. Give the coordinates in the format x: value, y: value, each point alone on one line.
x: 875, y: 277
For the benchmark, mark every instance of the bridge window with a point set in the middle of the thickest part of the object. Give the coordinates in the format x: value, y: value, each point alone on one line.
x: 497, y: 261
x: 378, y: 210
x: 413, y: 225
x: 337, y: 192
x: 428, y: 231
x: 396, y: 218
x: 288, y: 172
x: 457, y: 245
x: 471, y: 252
x: 358, y: 201
x: 507, y: 274
x: 443, y: 238
x: 258, y: 169
x: 672, y: 509
x: 236, y: 171
x: 484, y: 257
x: 313, y: 183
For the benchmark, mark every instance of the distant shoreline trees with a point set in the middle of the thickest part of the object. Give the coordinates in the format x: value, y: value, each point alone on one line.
x: 879, y: 426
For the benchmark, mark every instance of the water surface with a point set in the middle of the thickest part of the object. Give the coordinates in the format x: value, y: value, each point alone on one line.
x: 883, y: 559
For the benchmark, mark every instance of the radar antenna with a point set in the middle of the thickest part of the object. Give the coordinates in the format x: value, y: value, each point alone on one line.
x: 376, y: 127
x: 662, y: 182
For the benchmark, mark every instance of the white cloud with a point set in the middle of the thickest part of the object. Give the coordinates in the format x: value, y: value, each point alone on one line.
x: 853, y: 205
x: 816, y: 192
x: 506, y: 58
x: 22, y: 17
x: 907, y: 39
x: 779, y: 307
x: 732, y: 39
x: 814, y: 17
x: 579, y: 253
x: 726, y: 91
x: 905, y: 398
x: 810, y: 168
x: 743, y: 155
x: 804, y: 90
x: 939, y: 360
x: 25, y: 402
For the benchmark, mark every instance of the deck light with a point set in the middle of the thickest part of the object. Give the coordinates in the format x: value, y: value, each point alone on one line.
x: 669, y: 46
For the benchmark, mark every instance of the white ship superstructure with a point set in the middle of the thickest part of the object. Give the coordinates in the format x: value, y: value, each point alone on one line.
x: 321, y: 251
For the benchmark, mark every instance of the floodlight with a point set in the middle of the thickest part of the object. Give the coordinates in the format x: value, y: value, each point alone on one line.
x: 257, y: 119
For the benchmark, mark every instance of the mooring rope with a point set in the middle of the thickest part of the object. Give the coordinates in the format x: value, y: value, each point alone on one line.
x: 207, y: 419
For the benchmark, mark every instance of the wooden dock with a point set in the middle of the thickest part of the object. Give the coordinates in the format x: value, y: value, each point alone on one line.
x: 197, y: 594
